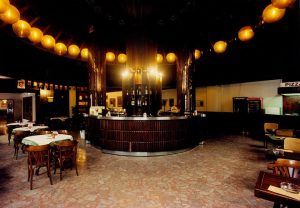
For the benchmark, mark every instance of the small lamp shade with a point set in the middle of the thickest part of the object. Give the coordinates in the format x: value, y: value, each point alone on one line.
x: 48, y: 42
x: 11, y: 15
x: 171, y: 57
x: 73, y: 50
x: 21, y: 28
x: 84, y: 53
x: 282, y: 4
x: 246, y: 33
x: 122, y: 58
x: 220, y: 46
x: 272, y: 14
x: 60, y: 49
x: 4, y: 4
x: 110, y: 56
x: 35, y: 35
x: 197, y: 54
x: 159, y: 58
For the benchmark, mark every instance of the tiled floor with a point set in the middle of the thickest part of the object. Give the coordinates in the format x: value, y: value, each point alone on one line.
x: 220, y: 173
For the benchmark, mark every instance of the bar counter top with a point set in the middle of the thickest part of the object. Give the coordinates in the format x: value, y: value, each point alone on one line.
x: 140, y: 118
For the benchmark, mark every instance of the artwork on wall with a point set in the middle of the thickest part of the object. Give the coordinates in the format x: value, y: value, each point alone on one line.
x: 119, y: 100
x: 112, y: 102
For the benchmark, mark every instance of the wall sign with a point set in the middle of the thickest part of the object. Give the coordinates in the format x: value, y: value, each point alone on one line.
x: 290, y: 84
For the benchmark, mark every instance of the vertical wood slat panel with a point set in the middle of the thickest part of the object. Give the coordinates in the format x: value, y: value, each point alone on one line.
x: 143, y: 135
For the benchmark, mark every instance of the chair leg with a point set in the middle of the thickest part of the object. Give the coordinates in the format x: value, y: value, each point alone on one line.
x: 9, y: 137
x: 31, y: 176
x: 75, y: 164
x: 28, y: 174
x: 49, y: 172
x: 61, y: 168
x: 16, y: 150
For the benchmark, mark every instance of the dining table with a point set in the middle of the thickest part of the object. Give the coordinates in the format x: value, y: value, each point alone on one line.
x: 29, y: 128
x: 268, y: 187
x: 44, y: 139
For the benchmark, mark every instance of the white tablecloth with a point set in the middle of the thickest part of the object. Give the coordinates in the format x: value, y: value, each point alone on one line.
x: 16, y: 124
x: 45, y: 139
x: 32, y: 129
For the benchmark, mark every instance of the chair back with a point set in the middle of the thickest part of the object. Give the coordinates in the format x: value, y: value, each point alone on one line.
x: 285, y: 132
x: 270, y: 126
x: 63, y: 131
x: 292, y: 144
x: 66, y: 151
x: 40, y: 132
x: 38, y: 156
x: 287, y: 168
x: 19, y: 135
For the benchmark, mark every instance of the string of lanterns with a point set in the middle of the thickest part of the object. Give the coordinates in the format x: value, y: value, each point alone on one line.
x: 11, y: 15
x: 271, y: 14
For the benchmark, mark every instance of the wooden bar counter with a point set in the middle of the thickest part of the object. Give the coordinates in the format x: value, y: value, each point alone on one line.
x: 142, y: 136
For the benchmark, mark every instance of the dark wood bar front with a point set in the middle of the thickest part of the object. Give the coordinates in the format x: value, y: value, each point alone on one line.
x: 142, y: 136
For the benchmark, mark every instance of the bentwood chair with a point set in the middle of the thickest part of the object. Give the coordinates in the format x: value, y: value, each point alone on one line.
x: 18, y: 137
x: 9, y: 132
x: 38, y: 156
x: 65, y: 154
x: 63, y: 131
x: 41, y: 132
x: 286, y: 167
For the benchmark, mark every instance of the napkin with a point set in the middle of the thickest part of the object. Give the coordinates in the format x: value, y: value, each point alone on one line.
x: 283, y: 192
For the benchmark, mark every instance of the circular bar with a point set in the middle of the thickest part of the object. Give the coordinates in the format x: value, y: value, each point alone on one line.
x: 142, y: 136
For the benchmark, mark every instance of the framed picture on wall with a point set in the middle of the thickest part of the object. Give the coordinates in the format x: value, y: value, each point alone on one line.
x: 112, y: 102
x: 119, y: 101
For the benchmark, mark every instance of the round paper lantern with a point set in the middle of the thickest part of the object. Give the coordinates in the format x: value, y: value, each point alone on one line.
x: 197, y: 54
x: 220, y: 46
x: 110, y: 56
x: 272, y: 14
x: 73, y: 50
x: 84, y: 53
x: 4, y: 6
x: 21, y: 28
x: 35, y: 35
x: 48, y: 41
x: 281, y: 4
x: 11, y: 15
x: 159, y: 58
x: 171, y: 57
x: 122, y: 58
x: 246, y: 33
x: 60, y: 49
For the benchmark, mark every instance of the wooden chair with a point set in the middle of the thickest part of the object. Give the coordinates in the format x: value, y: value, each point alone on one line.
x: 64, y: 131
x: 41, y: 132
x: 66, y: 151
x: 38, y: 156
x: 286, y: 167
x: 18, y: 137
x: 292, y: 144
x: 269, y: 129
x: 9, y: 132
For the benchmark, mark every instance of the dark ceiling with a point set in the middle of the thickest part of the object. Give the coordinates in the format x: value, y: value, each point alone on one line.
x: 173, y: 25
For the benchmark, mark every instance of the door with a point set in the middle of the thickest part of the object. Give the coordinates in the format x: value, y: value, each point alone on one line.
x: 27, y: 108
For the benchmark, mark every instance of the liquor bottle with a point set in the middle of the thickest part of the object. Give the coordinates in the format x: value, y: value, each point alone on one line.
x: 146, y: 90
x: 132, y: 97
